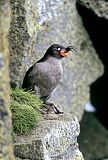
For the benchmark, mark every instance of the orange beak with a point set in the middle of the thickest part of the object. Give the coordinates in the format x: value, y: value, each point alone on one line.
x: 64, y: 53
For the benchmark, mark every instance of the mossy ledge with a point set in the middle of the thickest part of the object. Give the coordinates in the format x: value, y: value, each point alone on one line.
x: 25, y: 108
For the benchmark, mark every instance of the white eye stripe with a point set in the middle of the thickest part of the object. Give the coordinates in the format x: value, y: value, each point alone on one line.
x: 58, y: 49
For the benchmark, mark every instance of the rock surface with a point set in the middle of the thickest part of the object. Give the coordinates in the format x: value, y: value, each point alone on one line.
x: 6, y: 150
x: 100, y: 7
x: 97, y: 11
x: 35, y: 25
x: 54, y: 139
x: 93, y: 138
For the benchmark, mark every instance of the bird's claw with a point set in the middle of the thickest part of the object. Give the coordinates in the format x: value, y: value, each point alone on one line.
x: 57, y: 110
x: 51, y: 108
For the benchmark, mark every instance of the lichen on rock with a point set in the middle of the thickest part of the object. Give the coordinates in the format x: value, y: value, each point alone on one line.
x: 6, y: 147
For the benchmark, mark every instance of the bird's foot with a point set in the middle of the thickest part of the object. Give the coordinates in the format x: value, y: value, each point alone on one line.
x: 51, y: 108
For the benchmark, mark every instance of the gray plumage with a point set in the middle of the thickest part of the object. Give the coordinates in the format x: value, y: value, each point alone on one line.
x: 44, y: 76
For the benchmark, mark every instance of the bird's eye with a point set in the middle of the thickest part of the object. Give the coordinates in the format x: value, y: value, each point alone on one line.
x: 58, y: 49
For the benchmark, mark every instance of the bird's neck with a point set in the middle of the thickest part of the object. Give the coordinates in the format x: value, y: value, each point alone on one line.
x: 49, y: 59
x: 44, y: 58
x: 53, y: 60
x: 56, y: 63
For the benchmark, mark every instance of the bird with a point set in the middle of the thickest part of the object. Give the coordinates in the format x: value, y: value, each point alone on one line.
x: 44, y: 76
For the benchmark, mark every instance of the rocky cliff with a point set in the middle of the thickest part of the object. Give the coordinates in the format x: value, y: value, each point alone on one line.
x: 35, y: 25
x: 27, y: 28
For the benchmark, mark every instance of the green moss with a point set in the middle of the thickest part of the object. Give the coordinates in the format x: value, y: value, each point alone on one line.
x: 25, y: 108
x: 27, y: 98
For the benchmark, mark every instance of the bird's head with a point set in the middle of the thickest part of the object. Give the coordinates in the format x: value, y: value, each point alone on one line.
x: 58, y: 51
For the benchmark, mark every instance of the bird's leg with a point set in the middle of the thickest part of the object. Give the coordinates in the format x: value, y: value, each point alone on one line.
x: 51, y: 107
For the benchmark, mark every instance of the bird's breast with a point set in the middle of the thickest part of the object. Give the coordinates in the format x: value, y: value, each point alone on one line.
x: 53, y: 73
x: 47, y: 76
x: 50, y: 73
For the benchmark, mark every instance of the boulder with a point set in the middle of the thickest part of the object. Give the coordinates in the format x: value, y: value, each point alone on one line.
x: 54, y: 139
x: 93, y: 138
x: 35, y: 25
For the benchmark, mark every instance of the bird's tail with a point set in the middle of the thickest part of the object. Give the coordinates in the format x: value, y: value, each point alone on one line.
x: 25, y: 84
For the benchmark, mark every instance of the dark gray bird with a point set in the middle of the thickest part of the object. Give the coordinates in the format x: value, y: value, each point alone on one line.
x: 44, y: 76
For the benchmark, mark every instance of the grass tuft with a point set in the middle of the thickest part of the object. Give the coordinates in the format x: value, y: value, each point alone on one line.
x: 25, y: 108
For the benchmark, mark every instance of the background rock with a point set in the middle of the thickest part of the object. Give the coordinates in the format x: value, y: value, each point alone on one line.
x: 97, y: 12
x: 35, y: 25
x: 100, y: 7
x: 6, y: 150
x: 93, y: 138
x: 54, y: 139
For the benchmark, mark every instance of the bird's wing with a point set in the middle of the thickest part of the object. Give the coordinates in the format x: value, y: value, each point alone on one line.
x: 34, y: 76
x: 25, y: 84
x: 41, y: 78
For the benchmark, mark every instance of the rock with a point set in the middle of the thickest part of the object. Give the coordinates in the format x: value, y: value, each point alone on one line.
x: 35, y: 25
x: 54, y: 139
x: 6, y: 150
x: 93, y: 138
x: 97, y: 11
x: 100, y: 7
